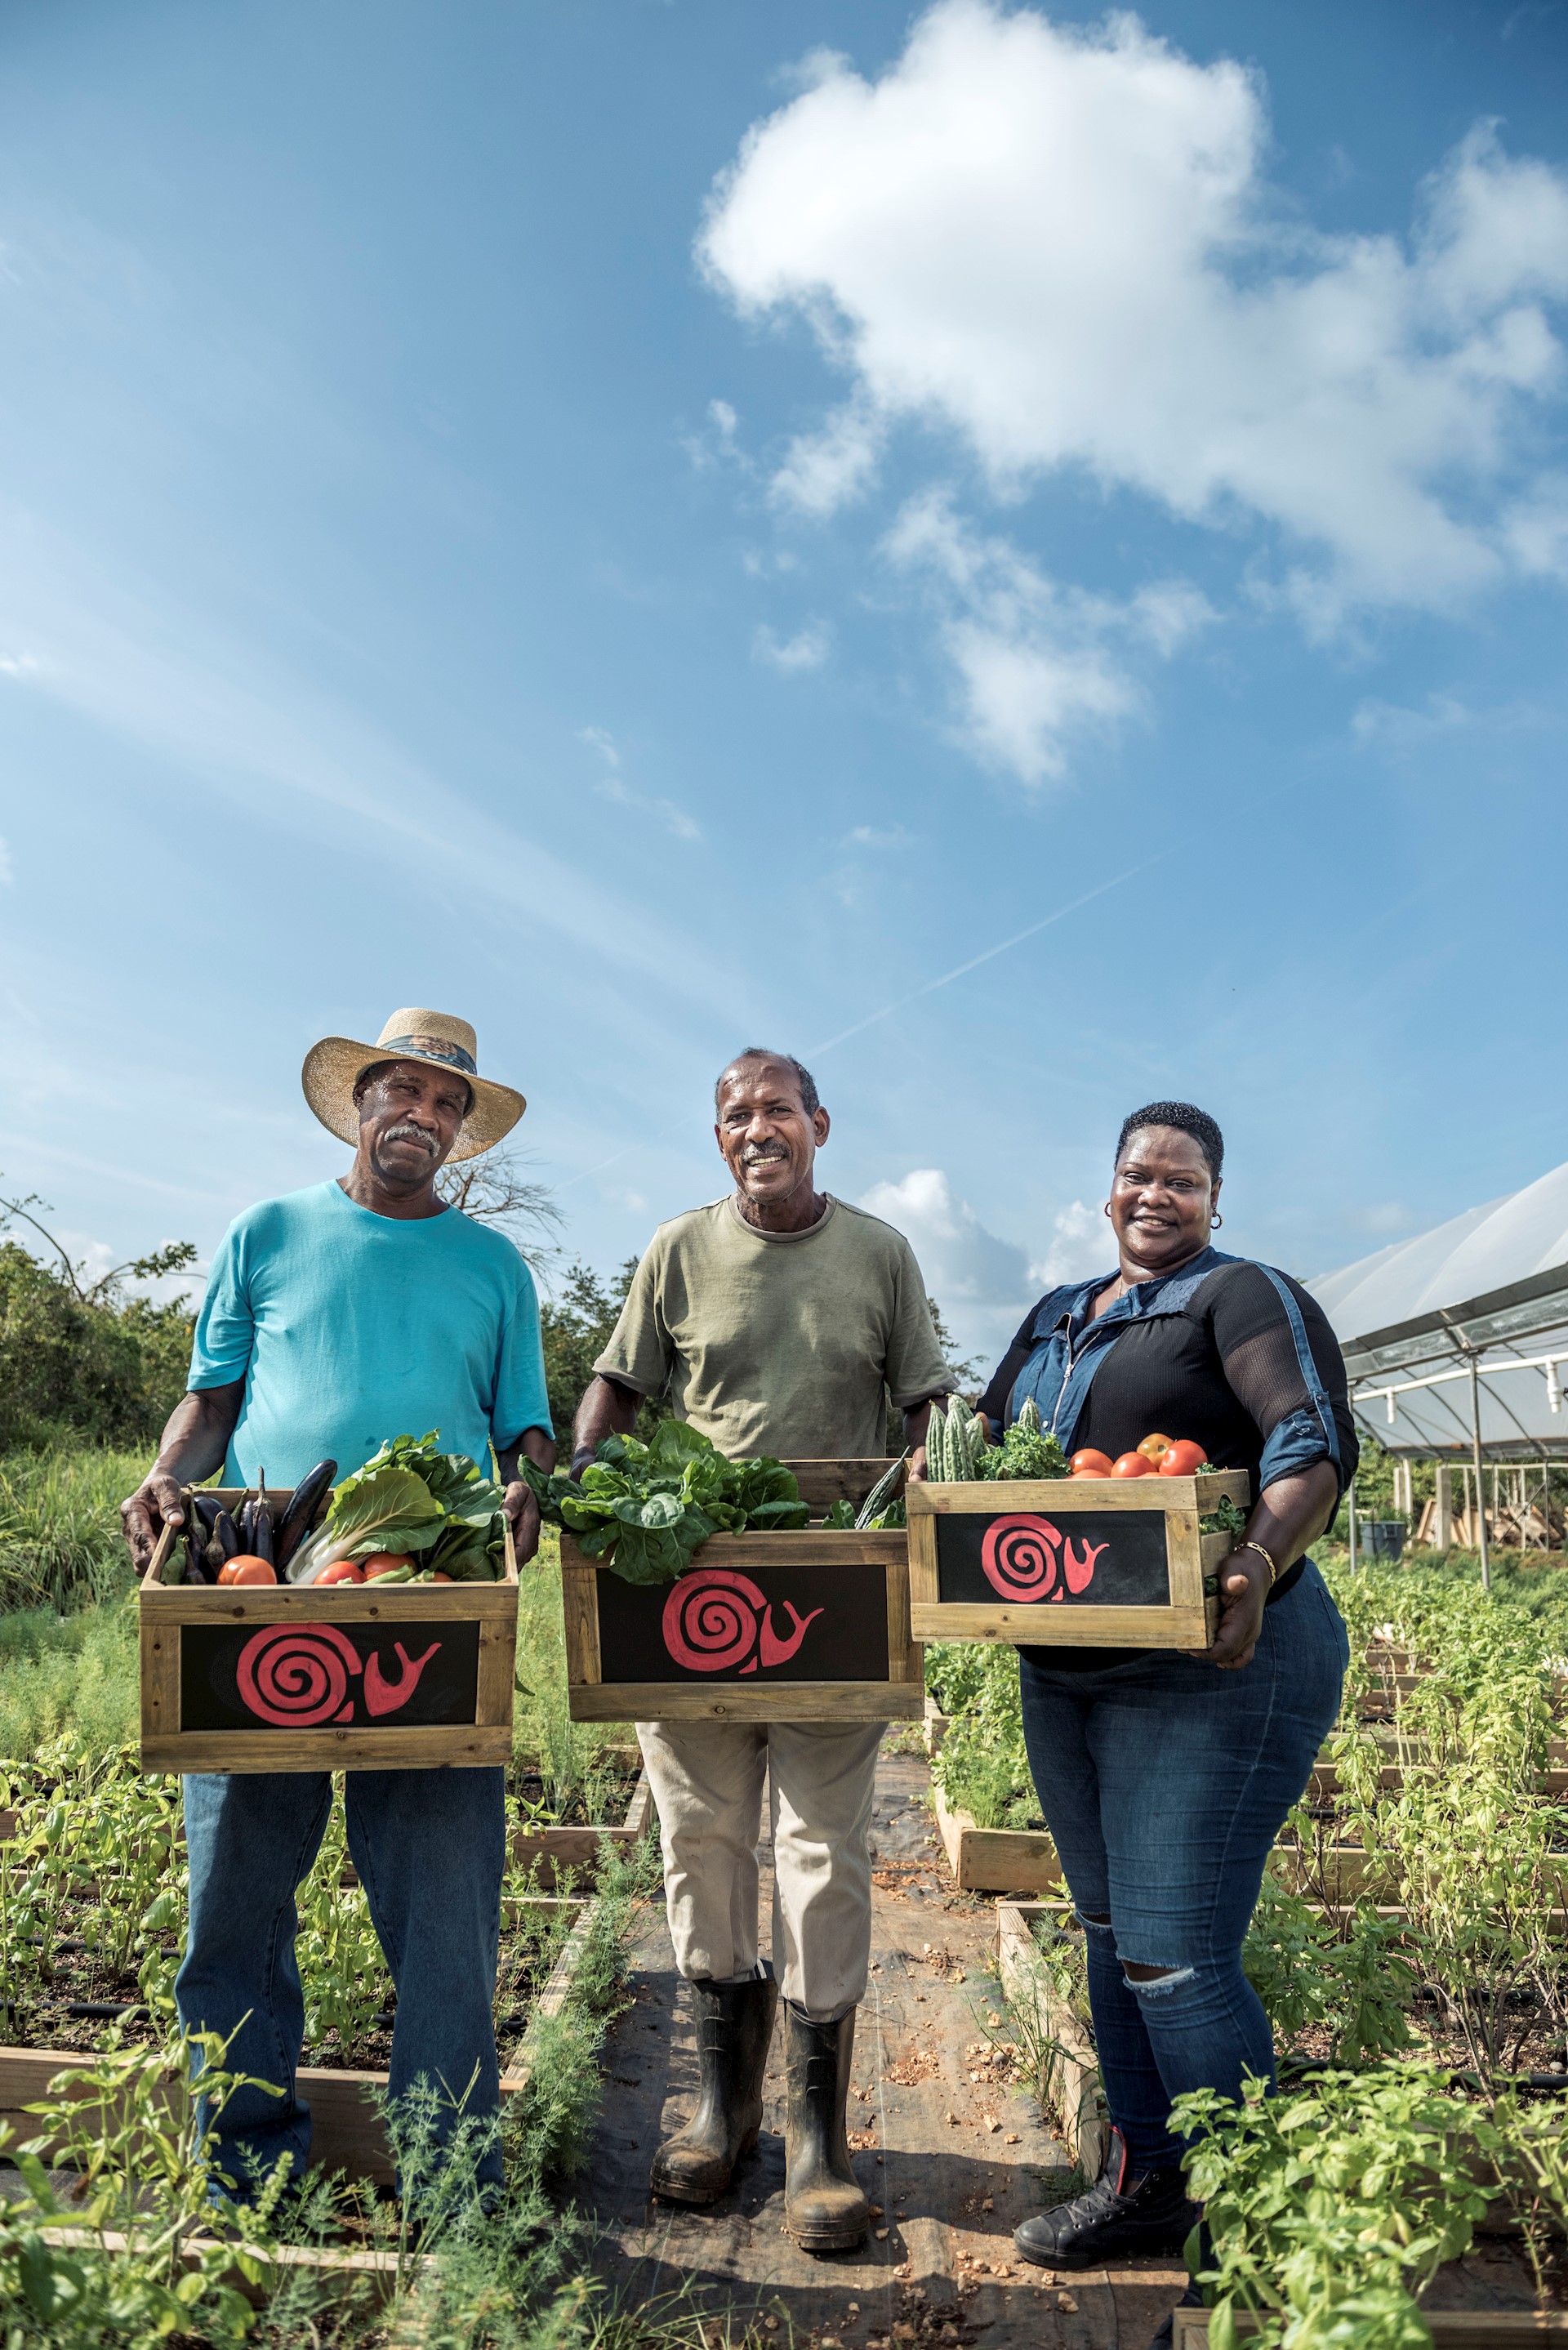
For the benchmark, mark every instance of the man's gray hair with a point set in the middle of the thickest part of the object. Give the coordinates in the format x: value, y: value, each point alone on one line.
x: 810, y: 1099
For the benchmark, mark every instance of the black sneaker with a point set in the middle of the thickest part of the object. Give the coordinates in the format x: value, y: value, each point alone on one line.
x: 1119, y: 2219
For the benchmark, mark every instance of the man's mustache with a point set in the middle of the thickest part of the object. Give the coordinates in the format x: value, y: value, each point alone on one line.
x: 410, y: 1134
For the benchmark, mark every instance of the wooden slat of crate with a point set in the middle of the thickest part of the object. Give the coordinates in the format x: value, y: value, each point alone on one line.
x: 995, y: 1860
x: 823, y: 1483
x: 731, y: 1698
x: 347, y: 2132
x: 1072, y: 2086
x: 166, y: 1609
x: 1187, y: 1621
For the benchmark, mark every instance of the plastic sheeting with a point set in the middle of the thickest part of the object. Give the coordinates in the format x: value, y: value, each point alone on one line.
x: 1491, y: 1284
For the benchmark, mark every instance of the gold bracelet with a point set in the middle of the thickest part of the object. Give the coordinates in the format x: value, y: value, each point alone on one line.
x: 1266, y: 1557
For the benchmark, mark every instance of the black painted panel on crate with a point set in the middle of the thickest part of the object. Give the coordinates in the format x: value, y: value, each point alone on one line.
x: 779, y: 1624
x: 329, y: 1676
x: 1087, y: 1558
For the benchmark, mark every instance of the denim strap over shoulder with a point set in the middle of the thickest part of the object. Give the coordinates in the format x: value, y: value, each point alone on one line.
x: 1069, y: 1346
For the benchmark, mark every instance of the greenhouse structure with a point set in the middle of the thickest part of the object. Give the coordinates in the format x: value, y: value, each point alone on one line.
x: 1455, y: 1343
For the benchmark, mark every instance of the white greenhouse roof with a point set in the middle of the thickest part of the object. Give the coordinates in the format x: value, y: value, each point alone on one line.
x: 1490, y: 1285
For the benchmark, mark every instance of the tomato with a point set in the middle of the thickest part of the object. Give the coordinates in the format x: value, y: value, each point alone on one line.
x: 1090, y: 1464
x: 437, y: 1576
x: 1183, y: 1460
x: 382, y: 1562
x: 1133, y: 1464
x: 342, y: 1570
x: 1153, y: 1446
x: 246, y: 1568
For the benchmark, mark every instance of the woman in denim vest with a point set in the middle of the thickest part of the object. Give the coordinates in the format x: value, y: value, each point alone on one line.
x: 1164, y: 1777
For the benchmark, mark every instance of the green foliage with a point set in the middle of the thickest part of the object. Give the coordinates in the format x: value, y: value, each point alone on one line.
x: 958, y: 1450
x: 1330, y: 2211
x: 412, y: 1497
x: 87, y: 1359
x: 576, y: 1327
x: 60, y: 1543
x: 1310, y: 1972
x: 981, y: 1766
x: 645, y: 1509
x: 77, y: 1672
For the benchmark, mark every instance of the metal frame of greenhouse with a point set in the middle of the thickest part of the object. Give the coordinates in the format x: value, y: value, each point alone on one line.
x: 1455, y: 1341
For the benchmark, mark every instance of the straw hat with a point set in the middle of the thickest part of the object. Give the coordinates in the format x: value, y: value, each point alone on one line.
x: 334, y: 1068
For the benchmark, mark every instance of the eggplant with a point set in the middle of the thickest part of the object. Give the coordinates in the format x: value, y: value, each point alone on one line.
x: 212, y: 1558
x: 295, y: 1523
x: 226, y: 1535
x: 195, y: 1543
x: 261, y: 1532
x: 206, y: 1506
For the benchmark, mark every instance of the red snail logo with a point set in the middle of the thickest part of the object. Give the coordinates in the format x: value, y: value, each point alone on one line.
x: 713, y: 1619
x: 295, y: 1676
x: 1021, y: 1560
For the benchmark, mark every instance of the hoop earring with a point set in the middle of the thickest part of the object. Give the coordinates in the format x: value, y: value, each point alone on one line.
x: 1107, y: 1209
x: 1215, y: 1223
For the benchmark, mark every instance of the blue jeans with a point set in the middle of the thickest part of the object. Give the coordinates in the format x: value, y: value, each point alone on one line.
x: 1164, y: 1782
x: 429, y: 1847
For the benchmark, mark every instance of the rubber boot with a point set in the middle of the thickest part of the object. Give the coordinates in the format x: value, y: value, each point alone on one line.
x: 825, y: 2210
x: 1120, y: 2218
x: 734, y: 2025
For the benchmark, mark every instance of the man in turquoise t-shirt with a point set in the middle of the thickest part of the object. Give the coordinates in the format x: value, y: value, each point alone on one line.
x: 335, y: 1318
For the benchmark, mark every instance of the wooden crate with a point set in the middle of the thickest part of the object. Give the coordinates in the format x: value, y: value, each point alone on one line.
x: 224, y: 1686
x: 806, y: 1627
x: 1079, y: 1561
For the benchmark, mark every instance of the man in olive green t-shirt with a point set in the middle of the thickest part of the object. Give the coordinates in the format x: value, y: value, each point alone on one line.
x: 779, y: 1320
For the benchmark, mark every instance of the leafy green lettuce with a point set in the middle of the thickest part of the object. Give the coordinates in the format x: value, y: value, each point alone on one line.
x: 413, y: 1497
x: 646, y: 1509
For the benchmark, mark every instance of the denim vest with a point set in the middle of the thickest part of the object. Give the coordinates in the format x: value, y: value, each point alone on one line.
x: 1068, y: 1347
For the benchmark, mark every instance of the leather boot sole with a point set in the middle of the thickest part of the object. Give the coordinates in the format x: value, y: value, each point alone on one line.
x: 678, y: 2191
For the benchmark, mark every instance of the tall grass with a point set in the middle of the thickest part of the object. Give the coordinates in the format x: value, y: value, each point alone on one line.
x: 76, y: 1673
x: 60, y: 1543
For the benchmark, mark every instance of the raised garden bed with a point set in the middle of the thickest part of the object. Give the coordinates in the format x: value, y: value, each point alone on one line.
x: 1452, y: 2329
x: 995, y: 1860
x: 1069, y: 2078
x: 348, y: 2131
x: 557, y: 1852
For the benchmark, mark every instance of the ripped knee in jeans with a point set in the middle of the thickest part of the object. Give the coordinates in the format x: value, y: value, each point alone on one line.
x: 1152, y: 1983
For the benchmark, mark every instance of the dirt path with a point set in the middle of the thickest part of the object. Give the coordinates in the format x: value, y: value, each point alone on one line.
x: 953, y: 2160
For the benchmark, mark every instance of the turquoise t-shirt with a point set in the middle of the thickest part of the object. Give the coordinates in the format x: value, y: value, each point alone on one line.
x: 349, y: 1329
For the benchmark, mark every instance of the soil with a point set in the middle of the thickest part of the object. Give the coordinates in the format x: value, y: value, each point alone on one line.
x: 81, y: 1977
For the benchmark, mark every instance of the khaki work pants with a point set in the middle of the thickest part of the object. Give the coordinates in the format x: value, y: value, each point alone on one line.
x: 707, y: 1780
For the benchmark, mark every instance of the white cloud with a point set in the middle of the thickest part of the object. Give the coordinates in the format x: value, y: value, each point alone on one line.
x: 723, y: 418
x: 1036, y: 662
x: 1080, y: 1245
x: 18, y: 665
x: 870, y: 836
x: 983, y: 1285
x: 1061, y: 246
x: 7, y: 871
x: 807, y: 649
x: 614, y: 786
x: 1537, y: 528
x: 1392, y: 726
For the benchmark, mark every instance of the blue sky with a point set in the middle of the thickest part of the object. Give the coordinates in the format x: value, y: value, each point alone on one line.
x: 661, y: 527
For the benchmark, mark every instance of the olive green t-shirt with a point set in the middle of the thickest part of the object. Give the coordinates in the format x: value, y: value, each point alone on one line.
x: 780, y: 1343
